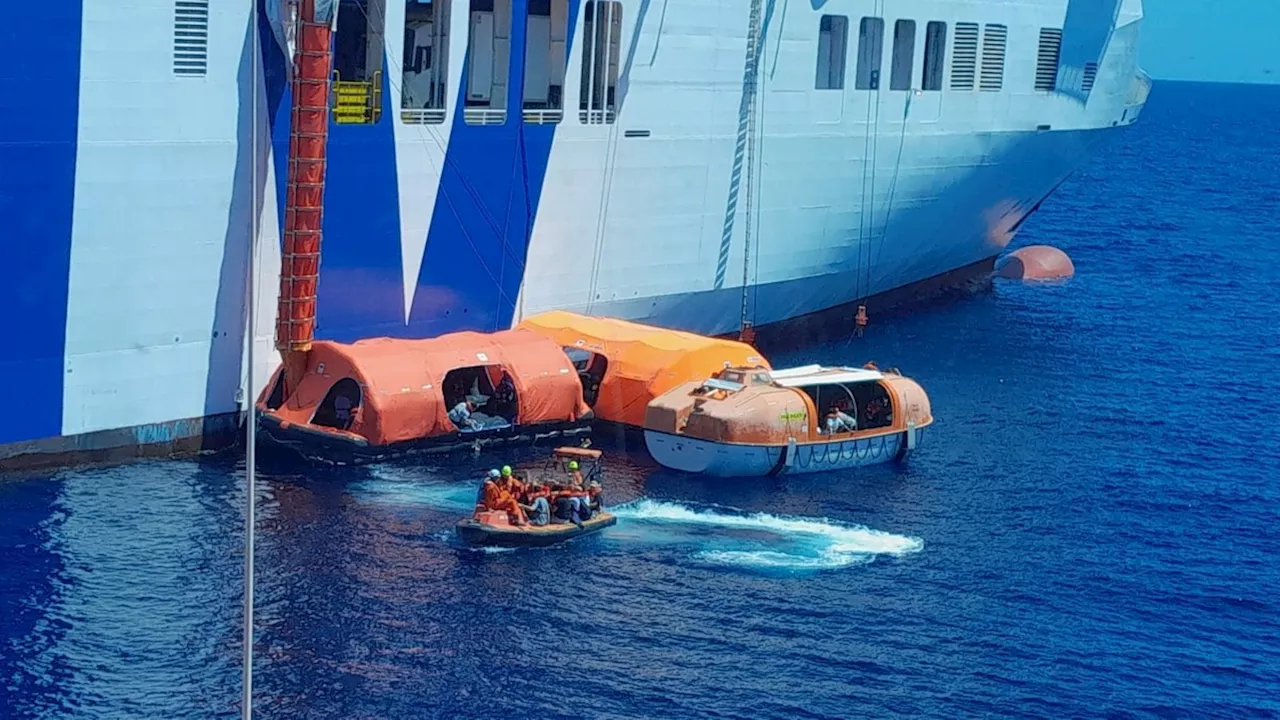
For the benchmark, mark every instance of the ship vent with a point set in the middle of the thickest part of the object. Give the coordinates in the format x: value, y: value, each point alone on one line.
x: 1047, y: 61
x: 1090, y: 74
x: 191, y: 37
x: 964, y: 59
x: 993, y: 44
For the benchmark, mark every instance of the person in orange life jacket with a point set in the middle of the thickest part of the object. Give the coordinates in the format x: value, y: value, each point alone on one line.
x: 498, y: 496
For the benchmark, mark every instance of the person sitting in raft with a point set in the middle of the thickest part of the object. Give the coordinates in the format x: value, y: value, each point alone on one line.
x: 595, y: 497
x: 839, y: 421
x: 498, y: 496
x: 461, y: 416
x: 535, y: 503
x: 491, y: 478
x: 566, y: 503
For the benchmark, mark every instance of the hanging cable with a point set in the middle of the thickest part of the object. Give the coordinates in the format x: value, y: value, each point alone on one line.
x: 250, y: 455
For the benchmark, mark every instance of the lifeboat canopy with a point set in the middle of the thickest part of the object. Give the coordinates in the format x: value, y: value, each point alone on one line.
x: 376, y: 397
x: 624, y: 365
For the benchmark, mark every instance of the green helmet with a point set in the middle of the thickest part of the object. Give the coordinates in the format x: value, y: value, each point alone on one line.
x: 573, y: 464
x: 506, y: 471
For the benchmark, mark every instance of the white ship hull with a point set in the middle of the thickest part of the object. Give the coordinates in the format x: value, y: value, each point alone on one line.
x: 134, y: 179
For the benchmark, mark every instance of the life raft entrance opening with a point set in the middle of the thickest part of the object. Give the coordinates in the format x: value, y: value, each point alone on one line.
x: 339, y: 406
x: 489, y: 388
x: 591, y: 368
x: 276, y: 398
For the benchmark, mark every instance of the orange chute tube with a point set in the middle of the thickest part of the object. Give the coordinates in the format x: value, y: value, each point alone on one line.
x: 304, y: 195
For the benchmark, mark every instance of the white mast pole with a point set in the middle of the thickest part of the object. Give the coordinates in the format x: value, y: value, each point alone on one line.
x: 250, y: 459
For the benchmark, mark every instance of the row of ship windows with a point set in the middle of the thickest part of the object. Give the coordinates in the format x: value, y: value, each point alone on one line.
x: 966, y: 72
x: 358, y: 58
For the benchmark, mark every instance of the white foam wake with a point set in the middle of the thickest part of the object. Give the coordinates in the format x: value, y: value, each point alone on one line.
x: 795, y: 543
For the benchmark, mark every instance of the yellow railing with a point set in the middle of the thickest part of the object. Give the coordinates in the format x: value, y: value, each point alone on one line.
x: 357, y: 102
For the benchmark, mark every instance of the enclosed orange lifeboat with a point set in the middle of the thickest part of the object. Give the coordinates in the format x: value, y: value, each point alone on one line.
x: 624, y: 365
x: 377, y: 398
x: 750, y: 421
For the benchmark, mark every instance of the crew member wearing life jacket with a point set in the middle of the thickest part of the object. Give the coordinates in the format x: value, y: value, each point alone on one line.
x: 536, y: 503
x: 498, y: 496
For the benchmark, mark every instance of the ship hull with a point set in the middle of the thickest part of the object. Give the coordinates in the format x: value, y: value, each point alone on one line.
x: 143, y: 189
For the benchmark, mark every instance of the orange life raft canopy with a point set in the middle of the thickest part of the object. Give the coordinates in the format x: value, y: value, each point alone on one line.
x: 624, y: 365
x: 386, y: 391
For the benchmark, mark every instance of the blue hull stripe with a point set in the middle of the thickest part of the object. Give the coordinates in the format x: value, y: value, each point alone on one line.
x: 483, y: 217
x: 361, y: 282
x: 39, y: 117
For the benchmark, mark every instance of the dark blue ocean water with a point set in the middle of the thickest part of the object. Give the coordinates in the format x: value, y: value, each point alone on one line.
x: 1091, y: 529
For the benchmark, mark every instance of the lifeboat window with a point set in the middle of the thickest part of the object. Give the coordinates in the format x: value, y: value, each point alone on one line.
x: 338, y: 408
x: 486, y: 70
x: 826, y: 397
x: 491, y: 391
x: 591, y: 368
x: 357, y: 62
x: 276, y: 398
x: 424, y: 90
x: 875, y: 407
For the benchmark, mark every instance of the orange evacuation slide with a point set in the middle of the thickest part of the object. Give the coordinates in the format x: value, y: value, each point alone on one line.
x: 397, y: 388
x: 624, y: 365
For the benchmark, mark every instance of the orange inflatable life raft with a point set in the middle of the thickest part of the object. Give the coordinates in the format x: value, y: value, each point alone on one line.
x: 377, y: 398
x: 624, y: 365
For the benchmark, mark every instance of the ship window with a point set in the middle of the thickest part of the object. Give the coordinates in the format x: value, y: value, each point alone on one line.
x: 591, y: 368
x: 964, y: 60
x: 424, y: 90
x: 904, y: 51
x: 1090, y: 75
x: 833, y: 52
x: 491, y: 391
x: 191, y: 37
x: 601, y: 47
x: 1047, y: 59
x: 357, y: 62
x: 338, y: 409
x: 488, y: 67
x: 935, y: 54
x: 993, y: 45
x: 545, y: 58
x: 870, y: 53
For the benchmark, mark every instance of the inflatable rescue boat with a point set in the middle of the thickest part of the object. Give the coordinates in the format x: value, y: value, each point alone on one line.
x: 494, y: 528
x: 378, y: 398
x: 750, y: 421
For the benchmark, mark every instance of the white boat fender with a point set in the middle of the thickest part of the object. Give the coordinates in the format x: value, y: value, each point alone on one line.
x: 911, y: 435
x: 790, y: 460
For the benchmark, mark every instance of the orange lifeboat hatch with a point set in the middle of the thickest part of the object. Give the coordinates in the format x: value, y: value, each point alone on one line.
x: 377, y: 398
